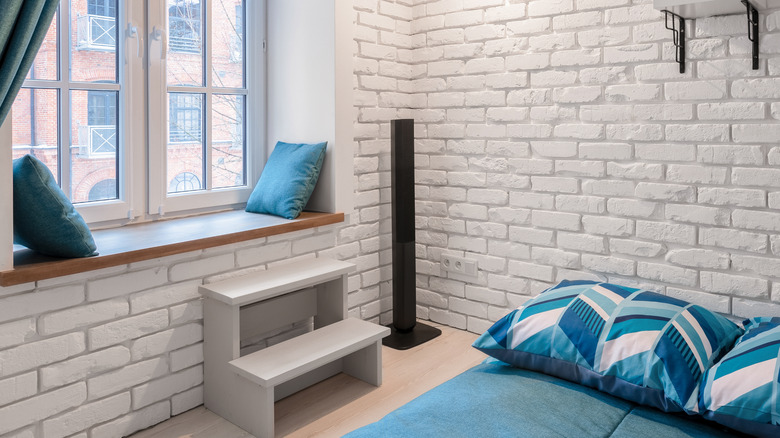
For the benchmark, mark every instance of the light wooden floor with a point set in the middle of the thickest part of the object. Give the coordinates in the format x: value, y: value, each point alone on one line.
x: 341, y: 404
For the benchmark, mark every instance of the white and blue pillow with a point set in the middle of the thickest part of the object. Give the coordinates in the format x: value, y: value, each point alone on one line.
x: 632, y: 343
x: 742, y: 391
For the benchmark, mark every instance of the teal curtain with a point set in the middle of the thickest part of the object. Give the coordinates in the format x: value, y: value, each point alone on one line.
x: 23, y: 26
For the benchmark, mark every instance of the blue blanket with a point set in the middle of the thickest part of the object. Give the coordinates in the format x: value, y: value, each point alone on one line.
x: 492, y: 400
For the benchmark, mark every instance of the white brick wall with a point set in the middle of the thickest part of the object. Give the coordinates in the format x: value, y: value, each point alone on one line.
x: 635, y: 173
x: 556, y: 139
x: 111, y: 352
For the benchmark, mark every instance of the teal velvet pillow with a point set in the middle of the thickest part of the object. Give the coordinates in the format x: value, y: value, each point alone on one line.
x: 44, y: 219
x: 287, y: 180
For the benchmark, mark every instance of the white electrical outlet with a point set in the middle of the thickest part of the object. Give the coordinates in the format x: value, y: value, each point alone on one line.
x: 459, y: 265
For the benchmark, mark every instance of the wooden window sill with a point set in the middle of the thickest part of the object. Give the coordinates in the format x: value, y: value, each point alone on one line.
x: 135, y: 243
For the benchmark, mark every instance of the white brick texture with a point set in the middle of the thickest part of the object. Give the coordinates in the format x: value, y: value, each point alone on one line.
x: 555, y: 140
x: 87, y: 415
x: 636, y: 173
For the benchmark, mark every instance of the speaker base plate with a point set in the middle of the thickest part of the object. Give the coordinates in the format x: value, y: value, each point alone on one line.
x: 420, y: 334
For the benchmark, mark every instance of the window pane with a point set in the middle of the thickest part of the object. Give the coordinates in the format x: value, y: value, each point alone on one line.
x: 185, y: 142
x: 45, y: 66
x: 227, y: 38
x: 35, y: 125
x: 185, y: 42
x: 94, y: 145
x: 102, y: 7
x: 185, y: 124
x: 105, y: 189
x: 227, y: 141
x: 93, y: 41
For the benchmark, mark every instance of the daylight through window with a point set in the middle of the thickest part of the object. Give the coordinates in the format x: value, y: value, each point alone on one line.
x: 68, y: 112
x: 206, y: 94
x: 73, y: 110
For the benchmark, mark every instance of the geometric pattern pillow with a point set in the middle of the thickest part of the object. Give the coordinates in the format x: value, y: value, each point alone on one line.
x: 742, y: 391
x: 632, y: 343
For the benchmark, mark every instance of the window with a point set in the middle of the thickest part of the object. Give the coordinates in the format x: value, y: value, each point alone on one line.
x: 85, y: 99
x: 71, y: 87
x: 206, y: 100
x: 101, y: 108
x: 101, y: 137
x: 105, y: 189
x: 184, y: 182
x: 184, y: 26
x: 97, y: 28
x: 105, y: 8
x: 184, y: 119
x: 237, y: 39
x: 68, y: 112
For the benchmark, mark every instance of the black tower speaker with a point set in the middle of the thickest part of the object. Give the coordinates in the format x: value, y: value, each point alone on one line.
x: 406, y: 332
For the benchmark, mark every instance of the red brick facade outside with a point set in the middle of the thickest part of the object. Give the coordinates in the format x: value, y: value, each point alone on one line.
x: 93, y: 136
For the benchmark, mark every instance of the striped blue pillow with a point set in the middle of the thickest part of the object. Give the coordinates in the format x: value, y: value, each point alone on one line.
x: 742, y: 391
x: 632, y: 343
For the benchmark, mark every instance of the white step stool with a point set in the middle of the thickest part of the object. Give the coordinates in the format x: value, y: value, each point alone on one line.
x: 243, y: 389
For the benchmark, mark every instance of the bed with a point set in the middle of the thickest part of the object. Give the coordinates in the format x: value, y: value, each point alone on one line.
x: 590, y: 359
x: 493, y: 400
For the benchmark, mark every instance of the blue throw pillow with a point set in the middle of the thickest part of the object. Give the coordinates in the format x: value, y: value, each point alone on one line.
x: 742, y: 391
x: 44, y: 218
x: 632, y: 343
x: 287, y: 180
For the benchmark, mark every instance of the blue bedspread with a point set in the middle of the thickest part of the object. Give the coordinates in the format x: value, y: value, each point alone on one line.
x: 492, y: 400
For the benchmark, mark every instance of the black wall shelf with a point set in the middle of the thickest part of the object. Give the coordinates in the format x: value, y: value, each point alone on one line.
x: 676, y: 24
x: 674, y: 20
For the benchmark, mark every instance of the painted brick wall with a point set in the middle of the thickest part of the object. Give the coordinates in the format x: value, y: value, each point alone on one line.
x: 114, y: 351
x: 558, y: 140
x: 107, y: 353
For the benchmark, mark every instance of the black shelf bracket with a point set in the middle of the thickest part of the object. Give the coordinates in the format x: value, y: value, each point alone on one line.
x: 676, y: 24
x: 752, y: 18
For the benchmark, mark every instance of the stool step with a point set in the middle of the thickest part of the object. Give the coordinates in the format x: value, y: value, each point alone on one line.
x: 279, y: 280
x: 284, y: 361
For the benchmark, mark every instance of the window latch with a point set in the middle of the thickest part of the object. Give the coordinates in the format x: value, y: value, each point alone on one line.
x: 132, y: 32
x: 161, y: 36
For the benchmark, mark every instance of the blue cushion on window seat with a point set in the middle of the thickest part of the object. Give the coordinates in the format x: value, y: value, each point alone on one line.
x: 288, y: 179
x: 44, y: 219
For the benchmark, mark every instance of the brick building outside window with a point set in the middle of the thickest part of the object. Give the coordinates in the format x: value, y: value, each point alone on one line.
x: 89, y: 64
